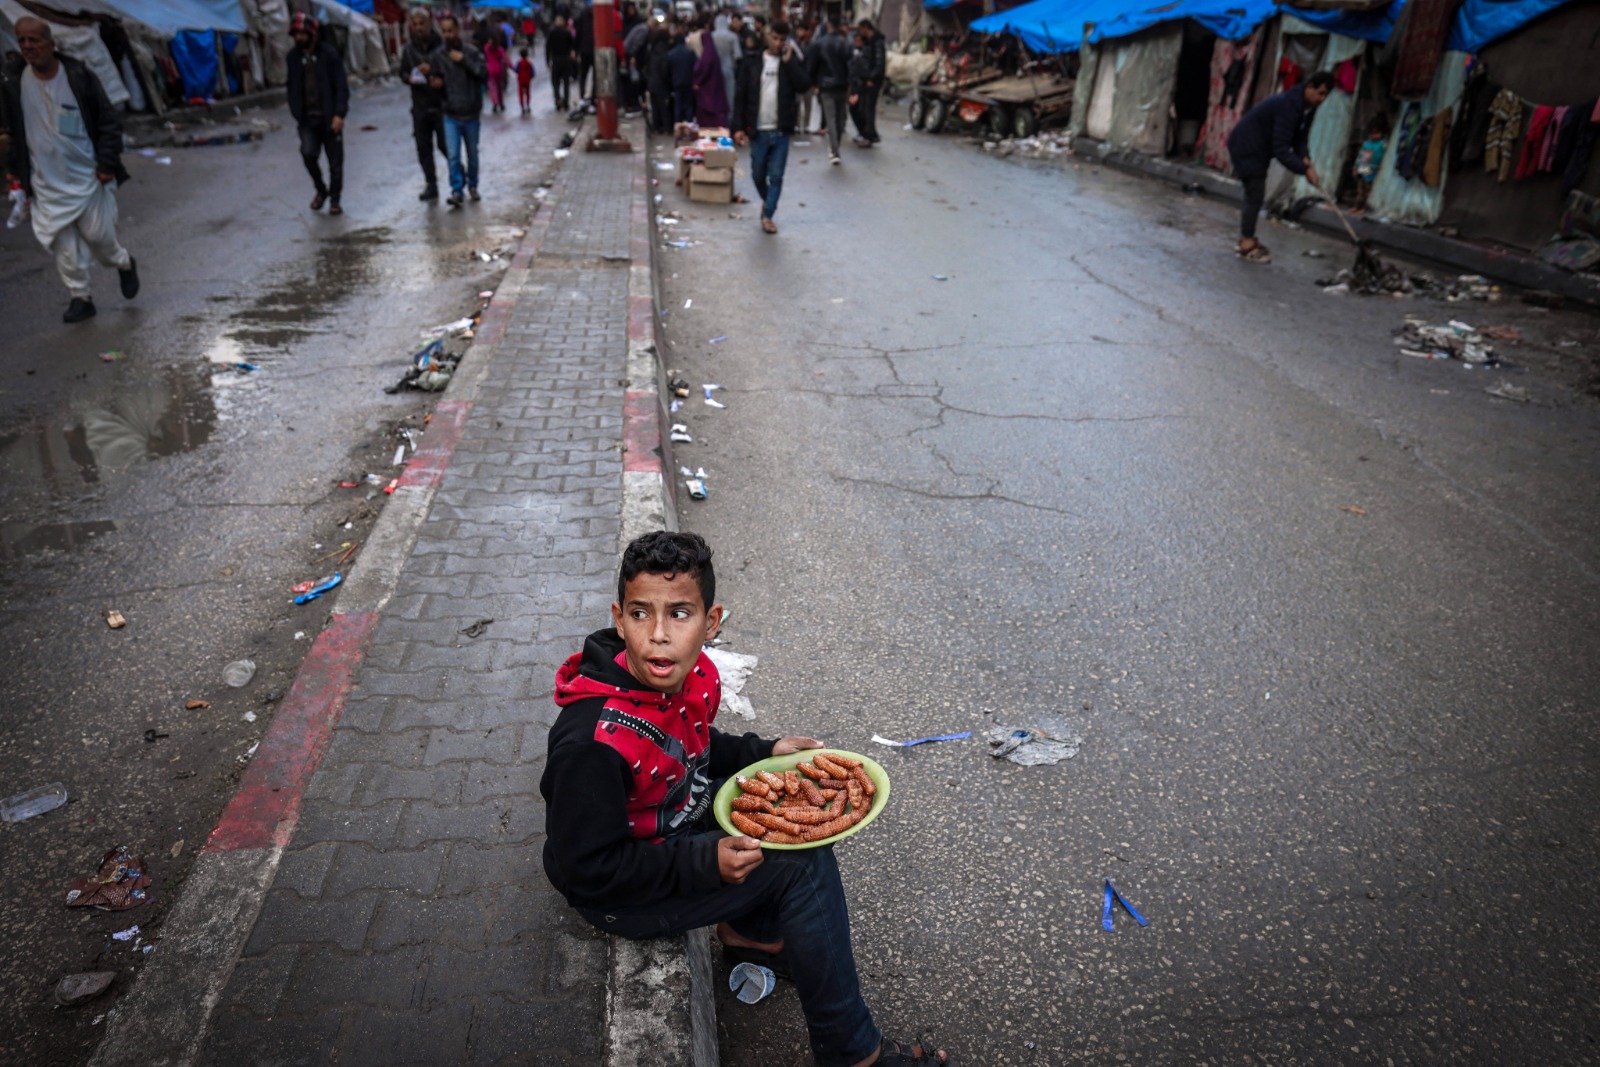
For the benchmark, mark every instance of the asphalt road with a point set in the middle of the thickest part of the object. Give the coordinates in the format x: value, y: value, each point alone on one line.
x: 190, y: 496
x: 1323, y: 614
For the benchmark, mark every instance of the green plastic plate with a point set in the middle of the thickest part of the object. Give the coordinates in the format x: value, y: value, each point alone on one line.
x: 777, y: 765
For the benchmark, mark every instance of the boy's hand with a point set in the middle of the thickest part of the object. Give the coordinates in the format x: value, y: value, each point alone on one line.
x: 737, y: 857
x: 784, y: 746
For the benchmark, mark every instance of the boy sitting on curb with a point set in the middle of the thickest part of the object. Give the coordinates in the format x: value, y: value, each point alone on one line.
x: 633, y: 766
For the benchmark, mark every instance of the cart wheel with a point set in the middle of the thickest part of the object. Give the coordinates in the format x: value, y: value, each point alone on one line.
x: 938, y: 112
x: 999, y: 121
x: 1024, y: 123
x: 919, y: 111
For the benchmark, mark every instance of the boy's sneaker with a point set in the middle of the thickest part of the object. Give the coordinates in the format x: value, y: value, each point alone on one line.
x: 454, y: 199
x: 833, y: 157
x: 473, y: 194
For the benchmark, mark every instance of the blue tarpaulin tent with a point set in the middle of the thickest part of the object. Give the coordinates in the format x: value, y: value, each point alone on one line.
x: 1478, y: 23
x: 168, y: 17
x: 1228, y: 19
x: 1050, y: 26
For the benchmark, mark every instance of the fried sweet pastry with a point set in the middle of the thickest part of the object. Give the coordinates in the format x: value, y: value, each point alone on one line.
x: 774, y: 782
x: 777, y: 822
x: 747, y: 825
x: 750, y: 802
x: 817, y: 800
x: 754, y: 786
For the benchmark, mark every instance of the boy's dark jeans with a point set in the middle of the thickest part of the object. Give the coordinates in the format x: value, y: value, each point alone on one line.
x: 795, y: 897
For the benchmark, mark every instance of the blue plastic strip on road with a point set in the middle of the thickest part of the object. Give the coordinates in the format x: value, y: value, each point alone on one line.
x: 1112, y: 893
x: 317, y: 590
x: 941, y: 737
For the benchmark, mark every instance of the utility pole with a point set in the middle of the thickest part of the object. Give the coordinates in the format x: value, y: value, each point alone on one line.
x: 606, y: 138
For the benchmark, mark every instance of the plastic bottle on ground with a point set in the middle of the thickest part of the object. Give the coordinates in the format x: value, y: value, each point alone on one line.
x: 35, y: 801
x: 239, y: 672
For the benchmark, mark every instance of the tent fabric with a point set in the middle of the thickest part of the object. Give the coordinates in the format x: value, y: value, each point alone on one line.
x: 1374, y: 25
x: 1415, y: 203
x: 195, y: 53
x: 1130, y: 108
x: 1050, y: 26
x: 1330, y: 135
x: 169, y: 17
x: 1481, y: 22
x: 1221, y: 118
x: 1231, y: 20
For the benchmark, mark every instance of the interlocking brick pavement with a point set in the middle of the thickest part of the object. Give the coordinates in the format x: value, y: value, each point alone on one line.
x: 410, y: 920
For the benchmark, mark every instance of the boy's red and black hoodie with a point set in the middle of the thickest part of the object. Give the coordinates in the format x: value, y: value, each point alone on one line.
x: 629, y: 772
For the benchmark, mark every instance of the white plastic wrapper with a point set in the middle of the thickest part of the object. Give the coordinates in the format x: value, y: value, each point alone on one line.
x: 735, y: 669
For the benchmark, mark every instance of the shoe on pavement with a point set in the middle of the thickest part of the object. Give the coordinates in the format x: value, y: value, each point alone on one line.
x: 130, y: 279
x: 454, y: 200
x: 430, y: 192
x: 472, y: 194
x: 318, y: 200
x: 78, y: 310
x: 334, y: 208
x: 833, y: 157
x: 768, y: 226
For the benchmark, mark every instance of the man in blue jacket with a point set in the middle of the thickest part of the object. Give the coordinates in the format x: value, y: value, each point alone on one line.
x: 319, y: 97
x: 1275, y: 129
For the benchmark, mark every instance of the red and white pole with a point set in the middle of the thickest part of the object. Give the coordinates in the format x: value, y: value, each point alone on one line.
x: 606, y: 47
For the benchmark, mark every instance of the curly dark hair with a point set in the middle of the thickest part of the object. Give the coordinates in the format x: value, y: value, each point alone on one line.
x: 663, y: 552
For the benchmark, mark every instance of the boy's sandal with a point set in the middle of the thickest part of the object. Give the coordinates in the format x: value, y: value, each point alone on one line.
x: 894, y: 1053
x: 1255, y: 254
x: 778, y: 964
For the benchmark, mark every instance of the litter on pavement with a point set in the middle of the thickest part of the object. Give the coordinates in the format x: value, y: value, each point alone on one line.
x: 36, y: 801
x: 880, y: 739
x: 1114, y: 895
x: 1451, y: 340
x: 77, y: 988
x: 1507, y: 391
x: 126, y: 935
x: 325, y: 585
x: 735, y: 669
x: 751, y: 982
x: 680, y: 432
x: 698, y: 490
x: 478, y: 628
x: 238, y: 673
x: 1031, y: 747
x: 118, y: 884
x: 196, y: 705
x: 114, y: 619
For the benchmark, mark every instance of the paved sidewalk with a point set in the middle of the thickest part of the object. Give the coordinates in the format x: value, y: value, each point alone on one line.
x: 410, y: 920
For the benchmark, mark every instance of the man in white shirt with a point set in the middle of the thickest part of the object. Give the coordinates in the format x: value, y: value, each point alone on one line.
x: 66, y: 151
x: 766, y: 108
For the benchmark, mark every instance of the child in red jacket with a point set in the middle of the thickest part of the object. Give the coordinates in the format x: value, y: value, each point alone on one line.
x: 524, y: 71
x: 633, y: 764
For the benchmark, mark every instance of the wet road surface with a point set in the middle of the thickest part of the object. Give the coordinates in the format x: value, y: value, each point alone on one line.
x: 191, y: 495
x: 1324, y: 616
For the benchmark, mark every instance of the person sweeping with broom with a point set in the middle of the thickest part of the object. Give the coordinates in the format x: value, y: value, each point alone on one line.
x: 1277, y: 128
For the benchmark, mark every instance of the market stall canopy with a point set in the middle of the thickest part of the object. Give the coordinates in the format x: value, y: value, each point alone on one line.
x: 1228, y: 19
x: 1050, y: 26
x: 1477, y: 23
x: 168, y: 17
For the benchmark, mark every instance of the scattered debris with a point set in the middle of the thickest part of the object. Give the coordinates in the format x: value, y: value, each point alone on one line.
x: 679, y: 387
x: 114, y: 619
x: 697, y: 488
x: 196, y: 705
x: 1114, y: 895
x: 238, y: 673
x: 735, y: 669
x: 249, y: 716
x: 77, y: 988
x: 177, y: 849
x: 878, y: 739
x: 717, y: 340
x: 152, y: 735
x: 1354, y: 509
x: 478, y: 628
x: 36, y: 801
x: 1452, y: 340
x: 126, y: 935
x: 941, y: 277
x: 1501, y: 333
x: 110, y: 356
x: 325, y: 585
x: 1544, y: 298
x: 1314, y: 253
x: 1031, y: 747
x: 120, y: 883
x: 680, y: 432
x: 1507, y: 391
x: 751, y: 982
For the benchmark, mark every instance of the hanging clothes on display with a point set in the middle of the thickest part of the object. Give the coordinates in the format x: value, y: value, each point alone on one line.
x: 1344, y: 76
x: 1472, y: 121
x: 1538, y: 127
x: 1427, y: 28
x: 1547, y: 146
x: 1505, y: 126
x: 1433, y: 163
x: 1570, y: 122
x: 1582, y: 148
x: 1289, y: 73
x: 1405, y: 143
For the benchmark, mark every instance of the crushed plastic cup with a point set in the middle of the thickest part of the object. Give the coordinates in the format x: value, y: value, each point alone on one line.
x: 36, y: 801
x: 238, y: 673
x: 751, y: 982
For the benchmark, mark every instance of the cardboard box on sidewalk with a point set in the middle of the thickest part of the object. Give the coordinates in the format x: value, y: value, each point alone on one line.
x: 711, y: 185
x: 718, y: 156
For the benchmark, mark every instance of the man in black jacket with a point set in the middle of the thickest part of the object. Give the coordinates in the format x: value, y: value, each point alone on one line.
x: 427, y: 106
x: 319, y: 97
x: 874, y: 63
x: 561, y: 58
x: 1278, y: 128
x: 66, y: 145
x: 828, y: 66
x: 765, y: 109
x: 461, y: 72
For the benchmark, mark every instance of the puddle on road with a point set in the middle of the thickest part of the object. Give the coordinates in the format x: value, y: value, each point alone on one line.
x: 144, y: 416
x: 307, y: 292
x: 20, y: 539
